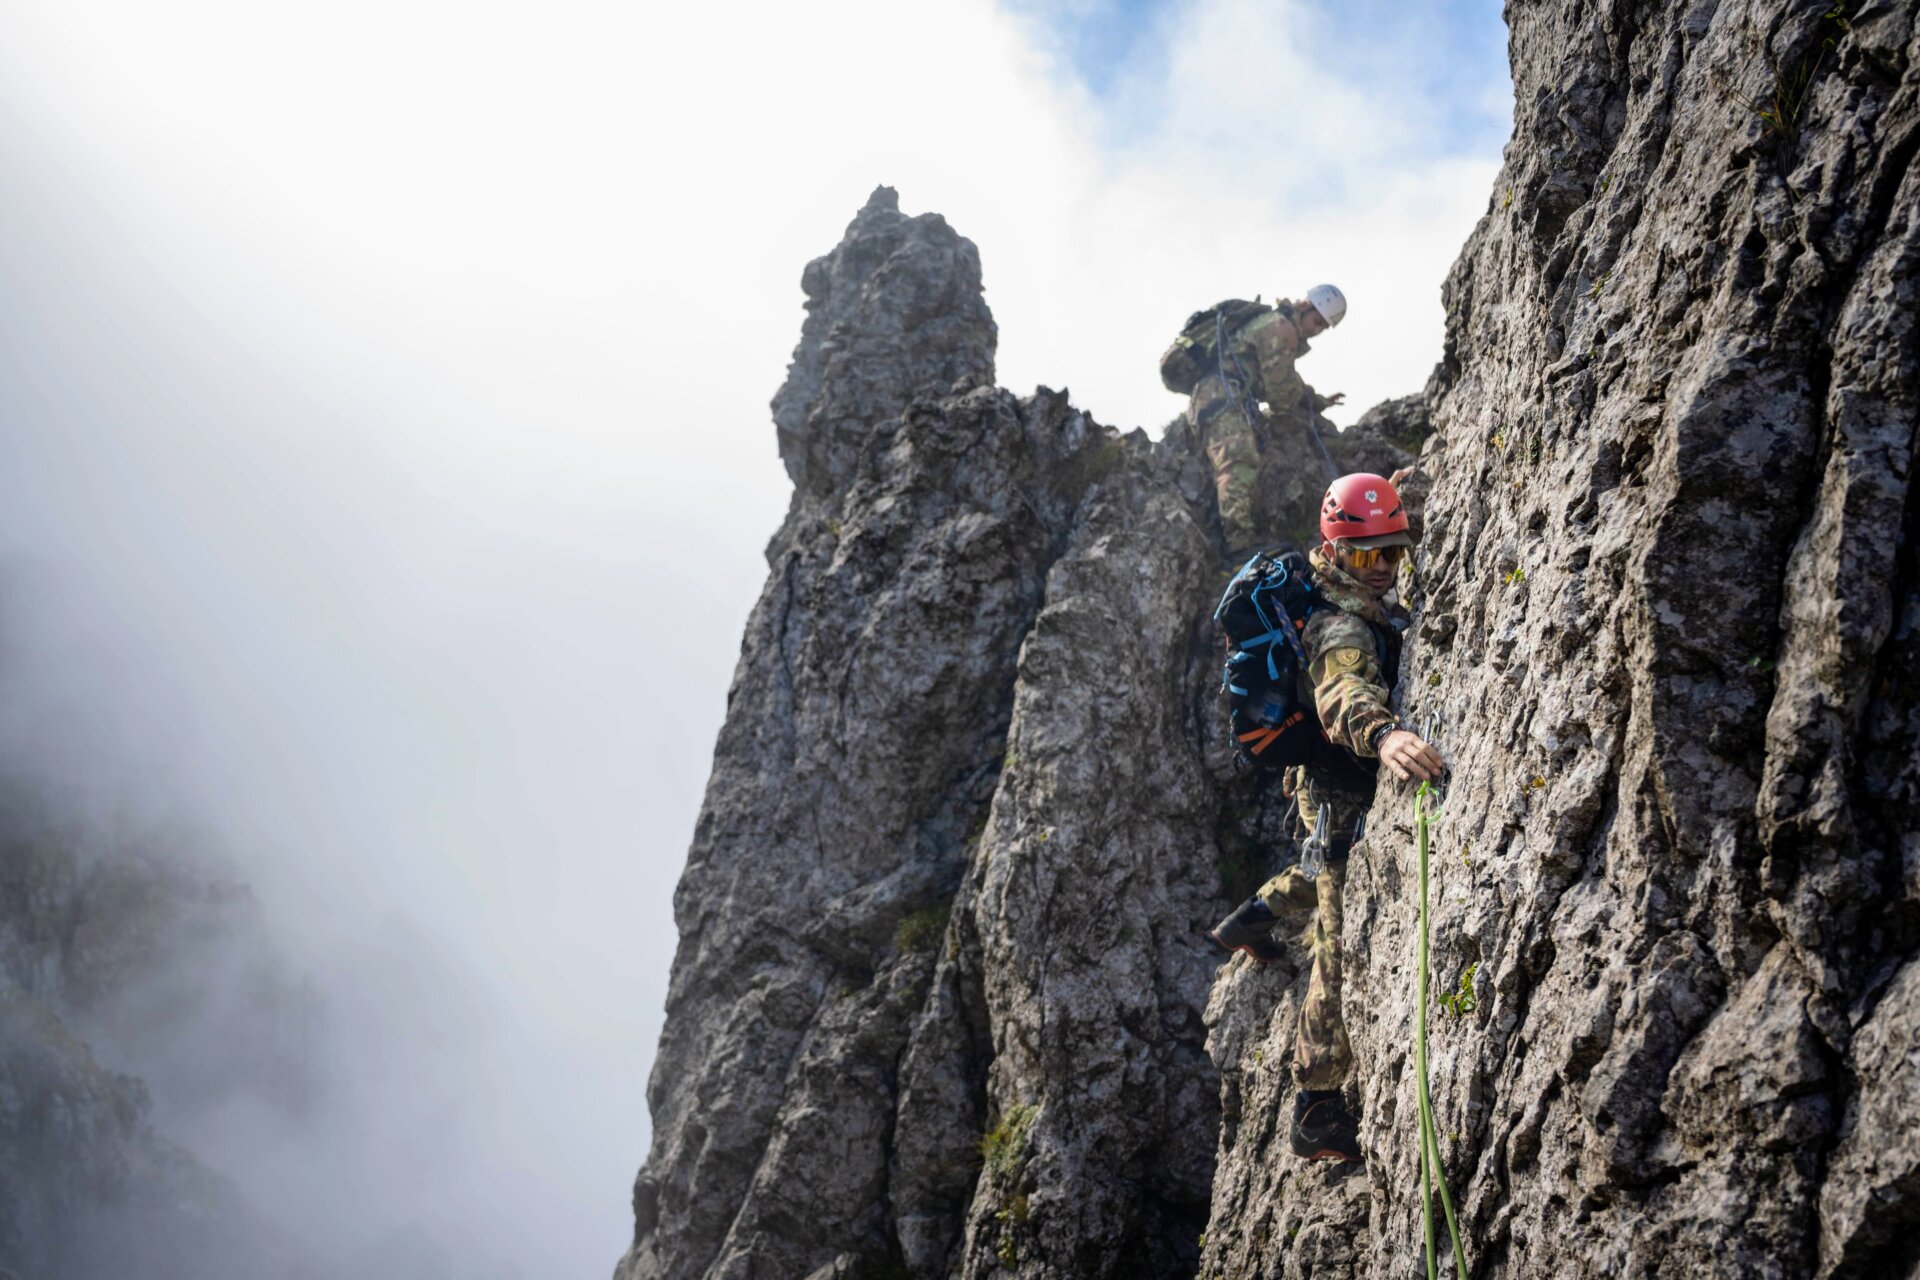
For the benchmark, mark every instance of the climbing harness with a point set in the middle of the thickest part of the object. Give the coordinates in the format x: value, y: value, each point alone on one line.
x: 1431, y: 1172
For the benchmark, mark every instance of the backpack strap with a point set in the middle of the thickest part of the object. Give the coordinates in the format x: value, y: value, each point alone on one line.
x: 1267, y: 641
x: 1387, y: 648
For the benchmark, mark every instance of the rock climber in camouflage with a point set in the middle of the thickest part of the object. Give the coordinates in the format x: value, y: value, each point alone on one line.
x: 1257, y: 367
x: 1353, y: 660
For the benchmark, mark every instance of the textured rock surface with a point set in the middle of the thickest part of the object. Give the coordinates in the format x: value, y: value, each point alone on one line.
x: 88, y: 1190
x: 942, y: 1007
x: 891, y: 945
x: 1667, y: 608
x: 949, y: 886
x: 124, y: 951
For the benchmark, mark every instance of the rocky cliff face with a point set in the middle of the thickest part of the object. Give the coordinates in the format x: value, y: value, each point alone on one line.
x: 838, y: 1036
x: 943, y: 1004
x: 1668, y: 605
x: 121, y: 955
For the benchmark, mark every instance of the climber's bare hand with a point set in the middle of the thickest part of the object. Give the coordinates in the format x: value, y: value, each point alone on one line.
x: 1338, y: 397
x: 1409, y: 756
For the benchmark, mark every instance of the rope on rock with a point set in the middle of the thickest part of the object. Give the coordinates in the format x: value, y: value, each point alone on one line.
x: 1313, y: 429
x: 1431, y: 1172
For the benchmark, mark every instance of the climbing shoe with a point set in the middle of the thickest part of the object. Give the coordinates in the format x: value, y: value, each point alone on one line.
x: 1323, y: 1128
x: 1250, y: 929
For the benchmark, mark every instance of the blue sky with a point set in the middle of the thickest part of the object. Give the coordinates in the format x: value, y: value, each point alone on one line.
x: 1449, y: 51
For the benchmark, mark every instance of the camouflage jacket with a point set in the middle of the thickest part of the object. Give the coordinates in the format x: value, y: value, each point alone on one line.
x: 1267, y: 346
x: 1350, y: 688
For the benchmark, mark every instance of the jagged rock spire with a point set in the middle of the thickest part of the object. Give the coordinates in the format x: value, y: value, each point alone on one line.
x: 894, y: 312
x: 938, y: 1008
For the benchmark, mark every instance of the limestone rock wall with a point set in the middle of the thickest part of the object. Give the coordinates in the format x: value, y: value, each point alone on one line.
x: 842, y: 987
x: 938, y: 1002
x: 1667, y: 608
x: 943, y: 1006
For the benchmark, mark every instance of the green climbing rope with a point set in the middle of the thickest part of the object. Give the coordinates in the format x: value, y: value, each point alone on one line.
x: 1430, y: 1171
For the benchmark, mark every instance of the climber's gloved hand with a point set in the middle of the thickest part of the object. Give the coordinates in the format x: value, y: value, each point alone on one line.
x: 1410, y: 756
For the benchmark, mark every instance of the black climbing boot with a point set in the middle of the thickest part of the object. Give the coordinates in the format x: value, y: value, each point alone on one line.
x: 1323, y: 1128
x: 1250, y: 929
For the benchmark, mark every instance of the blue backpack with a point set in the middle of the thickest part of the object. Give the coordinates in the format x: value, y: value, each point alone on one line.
x: 1263, y: 614
x: 1273, y: 721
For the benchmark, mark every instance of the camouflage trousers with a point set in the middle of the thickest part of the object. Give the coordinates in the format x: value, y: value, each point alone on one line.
x: 1233, y: 448
x: 1321, y: 1056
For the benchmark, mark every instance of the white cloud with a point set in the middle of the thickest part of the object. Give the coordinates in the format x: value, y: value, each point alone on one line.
x: 389, y: 382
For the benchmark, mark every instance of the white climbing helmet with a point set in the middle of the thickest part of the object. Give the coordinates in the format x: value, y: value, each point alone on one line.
x: 1329, y: 302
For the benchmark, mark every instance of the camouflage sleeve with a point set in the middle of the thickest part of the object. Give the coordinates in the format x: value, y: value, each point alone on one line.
x: 1276, y: 346
x: 1349, y: 690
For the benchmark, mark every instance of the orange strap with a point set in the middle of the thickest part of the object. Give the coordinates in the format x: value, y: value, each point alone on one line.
x: 1266, y: 737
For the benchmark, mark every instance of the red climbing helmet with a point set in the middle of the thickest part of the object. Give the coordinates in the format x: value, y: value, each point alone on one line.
x: 1366, y: 510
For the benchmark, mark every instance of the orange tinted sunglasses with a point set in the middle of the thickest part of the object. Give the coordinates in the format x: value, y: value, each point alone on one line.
x: 1367, y: 557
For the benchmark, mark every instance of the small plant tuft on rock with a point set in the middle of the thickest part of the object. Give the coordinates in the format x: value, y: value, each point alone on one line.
x: 1462, y: 999
x: 923, y: 930
x: 1003, y: 1146
x: 1781, y: 107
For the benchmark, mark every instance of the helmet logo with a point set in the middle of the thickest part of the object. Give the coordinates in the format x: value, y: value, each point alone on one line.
x: 1373, y: 495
